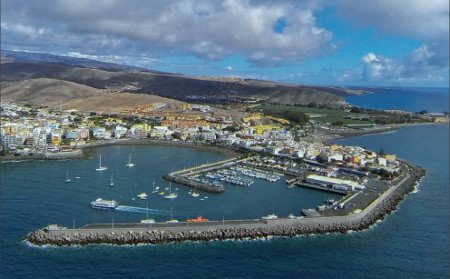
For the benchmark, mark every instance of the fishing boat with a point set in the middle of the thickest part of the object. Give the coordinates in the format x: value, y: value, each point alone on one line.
x: 270, y: 217
x: 171, y: 195
x: 112, y: 182
x: 199, y: 219
x: 171, y: 220
x: 142, y: 196
x: 67, y: 177
x: 100, y: 168
x: 147, y: 220
x: 129, y: 164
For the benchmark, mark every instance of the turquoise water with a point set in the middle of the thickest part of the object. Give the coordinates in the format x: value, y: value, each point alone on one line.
x: 410, y: 99
x: 413, y: 242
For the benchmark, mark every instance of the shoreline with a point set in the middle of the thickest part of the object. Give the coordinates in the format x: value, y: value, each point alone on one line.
x: 151, y: 142
x: 377, y: 210
x: 338, y: 135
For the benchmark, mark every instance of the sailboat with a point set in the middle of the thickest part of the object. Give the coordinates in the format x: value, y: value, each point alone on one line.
x: 147, y: 220
x: 171, y: 195
x: 67, y: 178
x: 154, y: 189
x: 129, y: 164
x: 171, y: 218
x: 112, y: 182
x: 100, y: 168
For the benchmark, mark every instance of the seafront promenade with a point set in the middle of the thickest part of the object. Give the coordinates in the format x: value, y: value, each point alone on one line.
x: 158, y: 233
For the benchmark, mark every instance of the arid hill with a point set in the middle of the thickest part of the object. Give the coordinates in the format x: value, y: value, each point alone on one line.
x: 52, y: 93
x: 119, y: 78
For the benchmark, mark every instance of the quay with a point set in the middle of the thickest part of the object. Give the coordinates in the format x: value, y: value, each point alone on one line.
x: 330, y: 221
x: 185, y: 176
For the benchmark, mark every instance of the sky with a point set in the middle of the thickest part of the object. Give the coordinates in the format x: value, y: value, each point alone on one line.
x: 323, y: 42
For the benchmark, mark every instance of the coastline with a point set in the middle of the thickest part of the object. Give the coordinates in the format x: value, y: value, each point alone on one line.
x: 377, y: 210
x: 206, y: 147
x: 85, y: 152
x: 330, y: 135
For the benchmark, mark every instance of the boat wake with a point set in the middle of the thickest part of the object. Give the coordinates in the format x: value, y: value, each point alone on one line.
x: 142, y: 210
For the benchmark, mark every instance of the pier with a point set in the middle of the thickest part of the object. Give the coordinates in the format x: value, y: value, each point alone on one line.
x: 335, y: 220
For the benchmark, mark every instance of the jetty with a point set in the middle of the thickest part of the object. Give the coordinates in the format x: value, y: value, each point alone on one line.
x: 186, y: 176
x: 158, y: 233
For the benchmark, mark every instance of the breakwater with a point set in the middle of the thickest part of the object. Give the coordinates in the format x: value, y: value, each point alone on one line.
x: 203, y: 186
x: 249, y: 229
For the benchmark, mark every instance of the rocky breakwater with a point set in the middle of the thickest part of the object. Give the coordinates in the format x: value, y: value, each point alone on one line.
x: 199, y: 185
x: 378, y: 210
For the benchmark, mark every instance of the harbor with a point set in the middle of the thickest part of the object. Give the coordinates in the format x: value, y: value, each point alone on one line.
x: 339, y: 219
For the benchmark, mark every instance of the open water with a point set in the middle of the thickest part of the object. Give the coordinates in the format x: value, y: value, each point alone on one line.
x: 404, y: 98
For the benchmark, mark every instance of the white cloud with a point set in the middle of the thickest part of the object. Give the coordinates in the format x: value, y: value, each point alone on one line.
x: 207, y: 29
x: 418, y: 65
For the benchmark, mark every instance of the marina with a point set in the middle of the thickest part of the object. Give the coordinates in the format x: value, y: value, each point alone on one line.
x: 202, y: 229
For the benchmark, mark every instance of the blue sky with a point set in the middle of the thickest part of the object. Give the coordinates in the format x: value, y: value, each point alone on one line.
x: 327, y: 42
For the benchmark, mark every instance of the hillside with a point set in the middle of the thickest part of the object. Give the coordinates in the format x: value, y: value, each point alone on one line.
x: 52, y: 93
x: 165, y: 84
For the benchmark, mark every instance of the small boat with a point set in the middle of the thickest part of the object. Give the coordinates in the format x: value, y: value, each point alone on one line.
x: 202, y: 199
x: 112, y: 182
x: 129, y: 164
x: 171, y: 220
x: 161, y: 193
x: 171, y: 195
x: 176, y: 189
x: 291, y: 216
x: 142, y: 196
x: 154, y: 189
x: 77, y: 177
x: 205, y: 197
x: 100, y: 168
x: 194, y: 194
x: 67, y: 177
x: 147, y: 220
x: 157, y: 188
x: 270, y: 217
x: 166, y: 188
x: 199, y: 219
x: 104, y: 204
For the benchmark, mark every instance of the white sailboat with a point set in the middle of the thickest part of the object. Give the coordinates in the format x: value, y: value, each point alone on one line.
x: 154, y: 189
x: 67, y: 177
x: 147, y: 220
x: 171, y: 195
x: 100, y: 168
x: 171, y: 218
x: 112, y: 182
x: 129, y: 164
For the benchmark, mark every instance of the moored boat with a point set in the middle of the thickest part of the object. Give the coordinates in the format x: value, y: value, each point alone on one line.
x: 199, y: 219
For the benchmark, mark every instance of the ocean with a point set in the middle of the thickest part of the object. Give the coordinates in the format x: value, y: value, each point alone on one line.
x: 412, y: 242
x: 403, y: 98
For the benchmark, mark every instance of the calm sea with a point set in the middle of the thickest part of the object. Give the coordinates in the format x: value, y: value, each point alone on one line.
x: 410, y: 99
